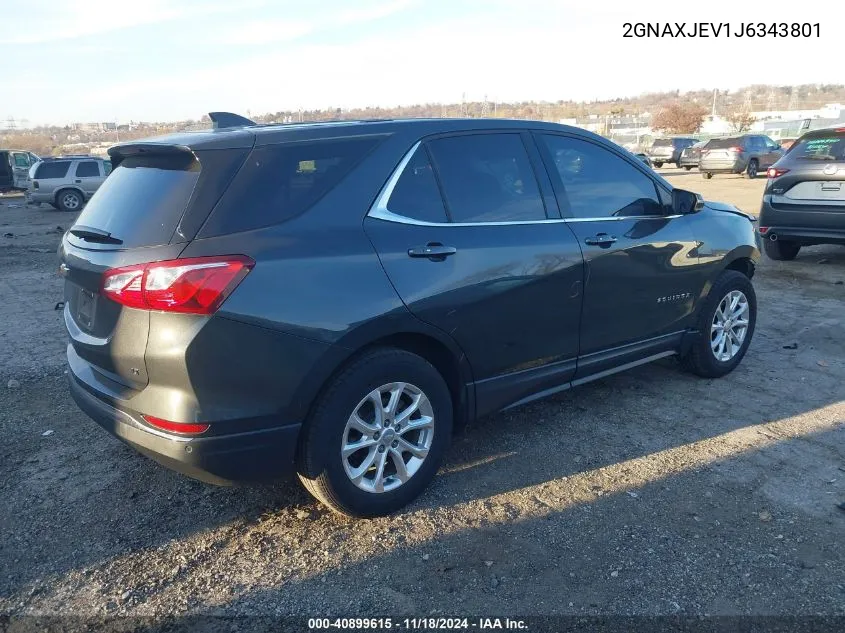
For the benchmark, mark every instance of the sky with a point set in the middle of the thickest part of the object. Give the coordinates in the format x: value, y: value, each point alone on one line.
x: 155, y: 60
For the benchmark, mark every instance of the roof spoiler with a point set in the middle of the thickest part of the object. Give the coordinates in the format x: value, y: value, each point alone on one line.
x: 141, y: 148
x: 227, y: 119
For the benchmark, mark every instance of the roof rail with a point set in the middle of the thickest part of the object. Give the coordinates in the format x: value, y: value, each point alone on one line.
x: 227, y: 119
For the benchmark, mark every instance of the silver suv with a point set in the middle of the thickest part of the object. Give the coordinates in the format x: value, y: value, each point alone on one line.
x: 68, y: 182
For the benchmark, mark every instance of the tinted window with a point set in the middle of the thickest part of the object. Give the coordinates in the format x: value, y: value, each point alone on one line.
x: 106, y: 167
x: 598, y: 183
x: 52, y: 169
x: 487, y: 178
x: 21, y: 160
x: 416, y: 194
x: 828, y: 147
x: 278, y: 182
x: 724, y: 143
x: 86, y: 169
x: 142, y: 201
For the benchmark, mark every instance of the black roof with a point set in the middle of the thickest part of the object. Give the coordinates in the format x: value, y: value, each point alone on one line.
x: 268, y: 134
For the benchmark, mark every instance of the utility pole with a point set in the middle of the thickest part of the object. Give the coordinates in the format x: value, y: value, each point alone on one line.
x: 713, y: 111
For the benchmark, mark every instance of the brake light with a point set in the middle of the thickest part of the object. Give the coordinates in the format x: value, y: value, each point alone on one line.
x: 176, y: 427
x: 736, y: 148
x: 196, y: 285
x: 762, y: 230
x: 772, y: 172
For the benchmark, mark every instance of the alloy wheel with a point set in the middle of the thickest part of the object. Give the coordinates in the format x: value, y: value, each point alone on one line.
x: 387, y: 437
x: 729, y: 326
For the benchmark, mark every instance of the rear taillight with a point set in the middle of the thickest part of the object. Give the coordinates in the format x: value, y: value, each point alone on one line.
x: 182, y: 428
x: 736, y: 148
x: 196, y: 285
x: 762, y: 230
x: 773, y: 172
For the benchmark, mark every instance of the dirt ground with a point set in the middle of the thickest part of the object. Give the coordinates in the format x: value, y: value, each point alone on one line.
x: 650, y: 492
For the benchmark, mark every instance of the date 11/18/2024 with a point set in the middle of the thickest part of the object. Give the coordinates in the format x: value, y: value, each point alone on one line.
x: 720, y: 29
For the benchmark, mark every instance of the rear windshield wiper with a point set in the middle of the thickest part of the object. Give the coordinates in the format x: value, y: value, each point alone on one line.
x: 90, y: 234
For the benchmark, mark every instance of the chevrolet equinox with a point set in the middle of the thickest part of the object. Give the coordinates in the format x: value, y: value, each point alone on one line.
x: 336, y: 299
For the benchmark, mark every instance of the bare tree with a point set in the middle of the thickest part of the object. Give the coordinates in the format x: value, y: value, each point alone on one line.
x: 740, y: 119
x: 679, y: 118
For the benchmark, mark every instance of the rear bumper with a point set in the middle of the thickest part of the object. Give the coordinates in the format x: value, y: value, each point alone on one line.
x: 38, y: 196
x: 808, y: 225
x: 688, y: 162
x: 255, y: 455
x: 662, y: 159
x: 723, y: 167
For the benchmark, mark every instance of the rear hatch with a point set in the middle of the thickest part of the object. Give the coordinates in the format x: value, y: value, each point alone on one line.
x: 148, y: 209
x: 662, y: 147
x: 722, y: 149
x: 813, y: 172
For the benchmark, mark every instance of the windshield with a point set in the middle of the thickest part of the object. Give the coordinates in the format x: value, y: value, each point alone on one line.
x: 662, y: 142
x: 828, y: 147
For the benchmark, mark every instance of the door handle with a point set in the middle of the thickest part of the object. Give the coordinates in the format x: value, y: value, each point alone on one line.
x: 77, y: 181
x: 602, y: 239
x: 435, y: 251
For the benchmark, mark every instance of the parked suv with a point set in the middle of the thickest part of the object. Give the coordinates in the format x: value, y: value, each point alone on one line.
x: 335, y: 299
x: 68, y: 182
x: 691, y: 156
x: 804, y: 200
x: 14, y: 169
x: 748, y: 154
x: 668, y: 150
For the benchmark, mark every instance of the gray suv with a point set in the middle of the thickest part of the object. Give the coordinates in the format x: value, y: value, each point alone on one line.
x: 67, y: 183
x: 748, y: 154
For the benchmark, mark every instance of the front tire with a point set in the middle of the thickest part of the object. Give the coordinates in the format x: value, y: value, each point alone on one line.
x: 725, y: 325
x: 688, y: 167
x: 781, y: 250
x: 658, y: 165
x: 377, y: 435
x: 751, y: 170
x: 706, y: 175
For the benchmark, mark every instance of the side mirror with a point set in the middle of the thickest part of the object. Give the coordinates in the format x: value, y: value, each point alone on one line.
x: 684, y: 202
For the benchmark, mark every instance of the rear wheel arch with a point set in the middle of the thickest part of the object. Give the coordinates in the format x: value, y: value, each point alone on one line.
x: 446, y: 359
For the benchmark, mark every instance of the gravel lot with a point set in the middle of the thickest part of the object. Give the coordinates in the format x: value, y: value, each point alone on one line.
x: 651, y: 492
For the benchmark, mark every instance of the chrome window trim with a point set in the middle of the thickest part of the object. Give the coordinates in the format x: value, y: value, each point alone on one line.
x: 379, y: 210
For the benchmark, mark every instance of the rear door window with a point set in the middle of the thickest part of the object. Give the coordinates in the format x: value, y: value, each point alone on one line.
x: 142, y: 201
x: 487, y: 178
x: 52, y: 169
x: 87, y: 169
x: 724, y: 143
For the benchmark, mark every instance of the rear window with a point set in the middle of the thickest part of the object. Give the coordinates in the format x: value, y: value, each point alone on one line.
x: 278, y: 182
x: 662, y: 142
x: 52, y: 169
x: 724, y: 143
x: 829, y: 147
x: 143, y: 199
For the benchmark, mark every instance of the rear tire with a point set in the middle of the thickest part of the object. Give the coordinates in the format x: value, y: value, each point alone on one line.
x: 70, y: 200
x: 330, y: 476
x: 706, y: 175
x: 701, y: 359
x: 781, y: 250
x: 658, y: 165
x: 688, y: 167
